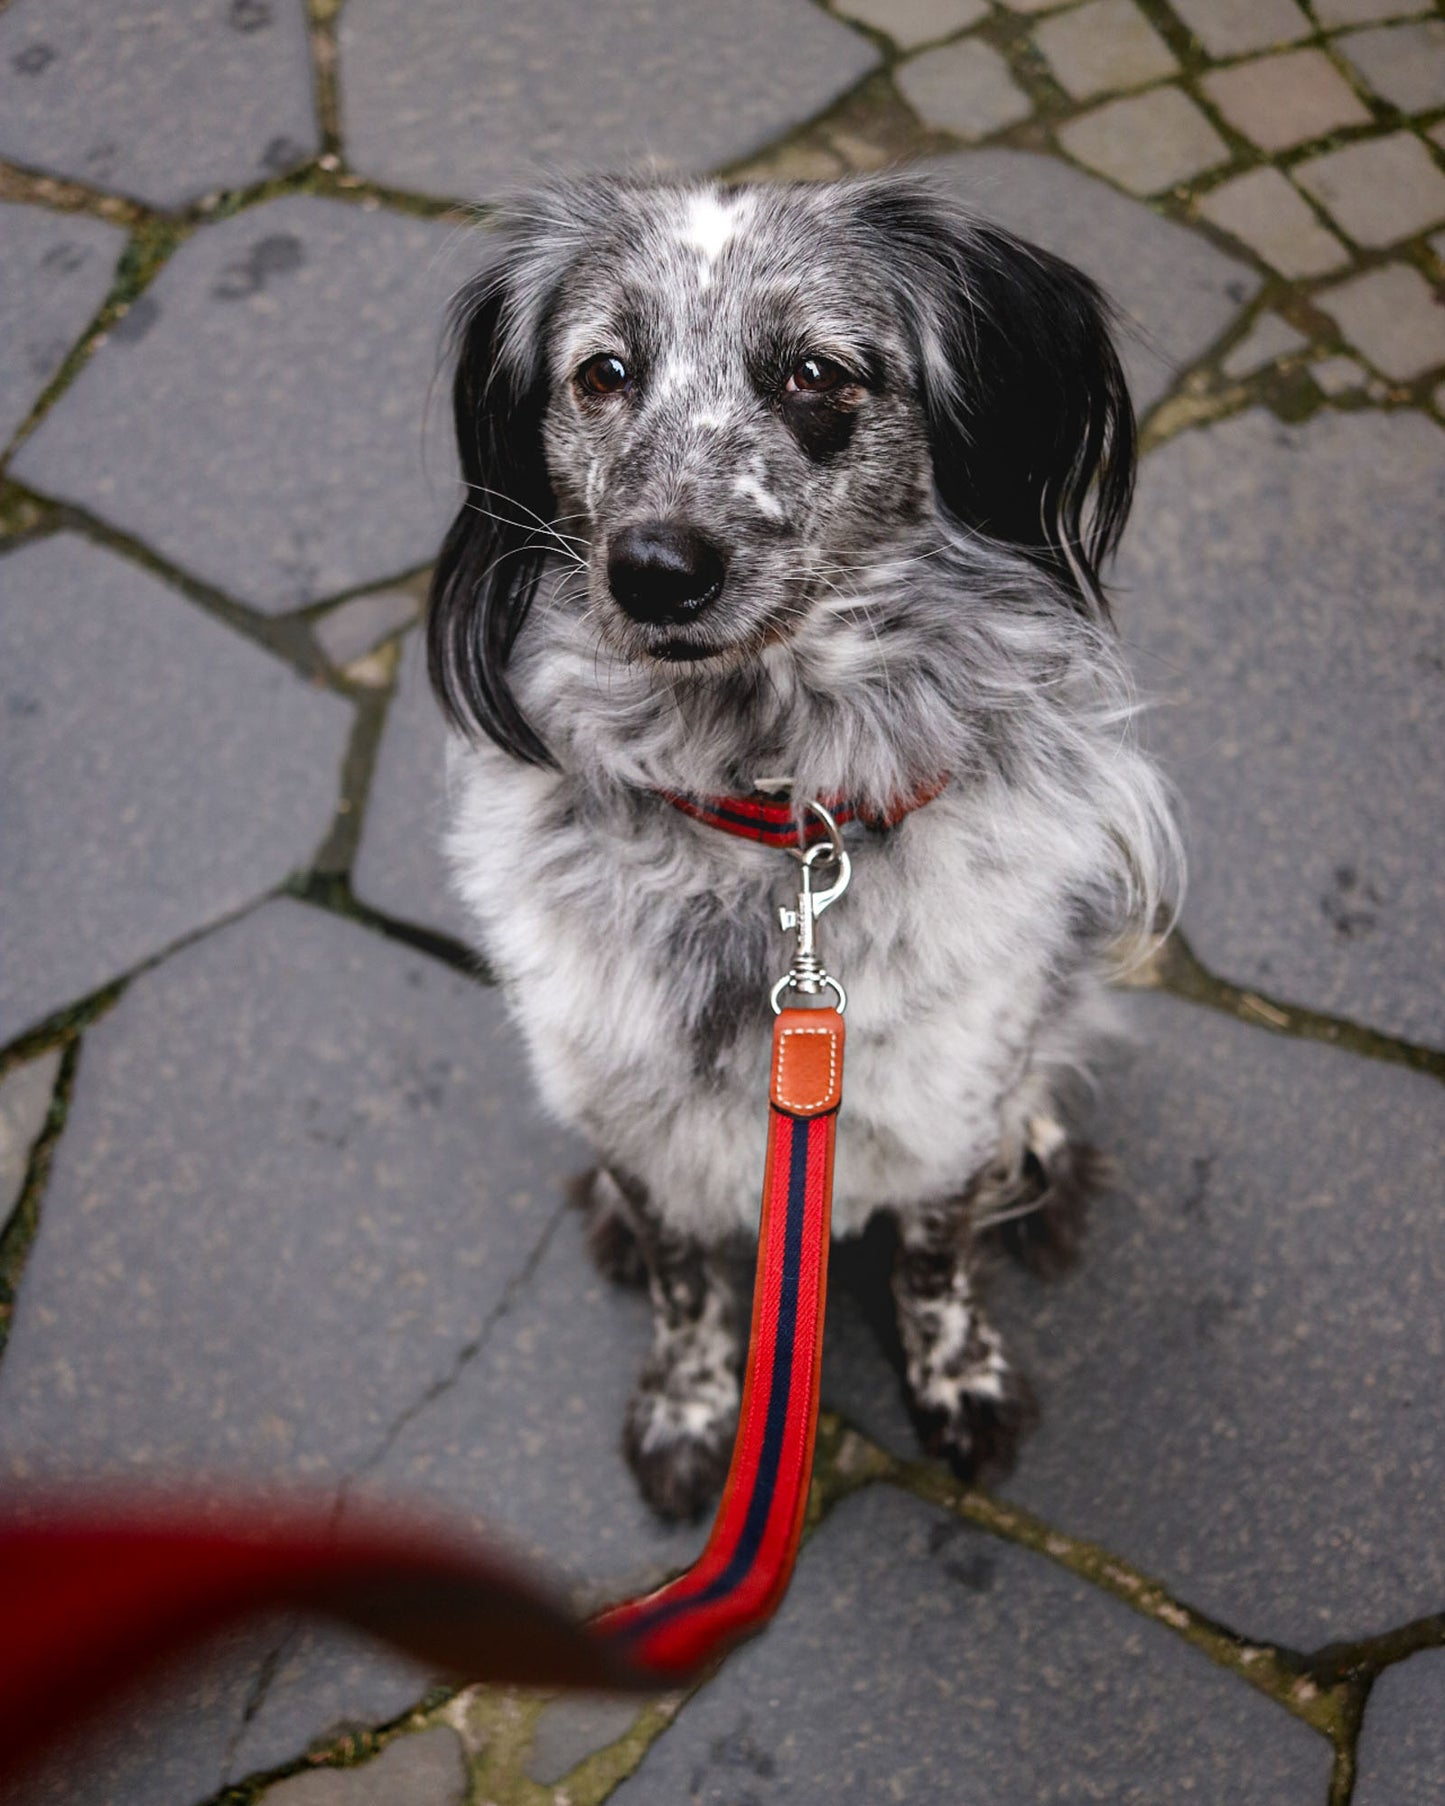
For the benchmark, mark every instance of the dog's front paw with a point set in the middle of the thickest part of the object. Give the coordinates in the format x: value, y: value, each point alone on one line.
x: 678, y: 1443
x: 975, y: 1422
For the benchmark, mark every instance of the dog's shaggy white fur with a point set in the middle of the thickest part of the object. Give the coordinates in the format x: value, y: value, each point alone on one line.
x: 812, y: 482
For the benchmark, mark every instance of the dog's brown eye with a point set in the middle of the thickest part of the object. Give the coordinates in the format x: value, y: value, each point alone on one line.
x: 814, y: 376
x: 604, y: 375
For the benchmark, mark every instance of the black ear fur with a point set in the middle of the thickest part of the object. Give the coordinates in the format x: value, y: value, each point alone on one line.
x: 1027, y: 406
x: 493, y: 555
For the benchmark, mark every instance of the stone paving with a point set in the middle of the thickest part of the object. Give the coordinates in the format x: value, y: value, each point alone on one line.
x: 276, y: 1202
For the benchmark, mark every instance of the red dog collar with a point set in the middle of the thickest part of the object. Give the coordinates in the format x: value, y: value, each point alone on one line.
x: 771, y: 821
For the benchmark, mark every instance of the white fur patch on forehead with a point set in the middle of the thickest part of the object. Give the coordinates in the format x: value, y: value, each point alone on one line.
x: 710, y: 223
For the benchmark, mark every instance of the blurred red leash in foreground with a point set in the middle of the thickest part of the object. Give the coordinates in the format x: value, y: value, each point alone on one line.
x: 92, y: 1597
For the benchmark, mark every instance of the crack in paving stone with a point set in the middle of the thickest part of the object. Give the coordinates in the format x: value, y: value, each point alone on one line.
x: 285, y: 637
x: 260, y: 1689
x: 1177, y: 970
x: 333, y: 892
x: 18, y: 1236
x: 461, y: 1361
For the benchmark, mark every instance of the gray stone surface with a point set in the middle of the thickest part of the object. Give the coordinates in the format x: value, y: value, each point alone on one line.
x: 399, y: 866
x: 357, y: 626
x: 964, y: 88
x: 301, y: 1179
x: 160, y: 99
x: 1177, y: 292
x: 258, y: 417
x: 426, y: 1769
x: 1103, y: 46
x: 1402, y: 1741
x: 55, y: 270
x: 1237, y: 1385
x: 1229, y: 27
x: 1393, y: 315
x: 916, y: 1660
x: 25, y: 1094
x: 1405, y: 64
x: 1379, y: 190
x: 1279, y: 101
x: 432, y: 102
x: 1280, y: 591
x: 160, y: 772
x: 1146, y: 142
x: 913, y: 22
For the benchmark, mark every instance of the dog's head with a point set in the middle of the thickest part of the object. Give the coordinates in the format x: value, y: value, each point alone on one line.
x: 720, y: 404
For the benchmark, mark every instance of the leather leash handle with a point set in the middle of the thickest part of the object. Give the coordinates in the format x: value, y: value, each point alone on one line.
x: 740, y: 1578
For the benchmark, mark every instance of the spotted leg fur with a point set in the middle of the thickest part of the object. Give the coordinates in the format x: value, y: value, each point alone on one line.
x: 678, y: 1431
x: 968, y: 1404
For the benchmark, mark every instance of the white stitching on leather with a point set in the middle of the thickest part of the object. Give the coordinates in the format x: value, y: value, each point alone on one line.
x: 789, y: 1103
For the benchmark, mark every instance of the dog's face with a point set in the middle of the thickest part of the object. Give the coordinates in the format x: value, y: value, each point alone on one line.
x: 722, y: 405
x: 733, y: 423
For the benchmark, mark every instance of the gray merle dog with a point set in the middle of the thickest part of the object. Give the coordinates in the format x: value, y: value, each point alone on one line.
x: 814, y: 483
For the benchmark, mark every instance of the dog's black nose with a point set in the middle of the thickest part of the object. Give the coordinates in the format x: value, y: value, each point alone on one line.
x: 664, y: 574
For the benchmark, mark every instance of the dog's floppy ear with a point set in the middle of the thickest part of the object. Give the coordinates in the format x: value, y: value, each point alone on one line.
x: 1028, y: 412
x: 493, y: 555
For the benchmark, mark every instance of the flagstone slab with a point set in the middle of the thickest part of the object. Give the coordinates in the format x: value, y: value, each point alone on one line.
x: 266, y: 415
x: 1401, y: 1752
x: 431, y: 102
x: 400, y: 868
x: 161, y: 772
x: 1177, y: 293
x: 1237, y: 1384
x: 1279, y: 591
x: 917, y: 1660
x: 164, y: 100
x: 58, y: 270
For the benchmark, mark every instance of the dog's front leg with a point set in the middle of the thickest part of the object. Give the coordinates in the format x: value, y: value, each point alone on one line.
x: 678, y: 1431
x: 969, y: 1404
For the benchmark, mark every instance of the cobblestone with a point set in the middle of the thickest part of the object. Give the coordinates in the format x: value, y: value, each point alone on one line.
x: 1269, y: 339
x: 1103, y: 46
x: 1359, y: 12
x: 256, y: 420
x: 1394, y: 316
x: 160, y: 773
x: 1036, y: 1689
x: 531, y: 92
x: 1280, y: 101
x: 913, y: 22
x: 160, y: 99
x: 1262, y: 211
x: 25, y: 1094
x: 1298, y: 701
x: 1402, y: 1742
x: 1231, y: 27
x: 57, y: 273
x: 963, y: 88
x: 1146, y: 142
x: 1379, y: 191
x: 1338, y: 375
x: 1404, y: 64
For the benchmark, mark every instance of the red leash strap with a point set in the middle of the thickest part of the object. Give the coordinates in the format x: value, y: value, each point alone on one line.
x: 740, y: 1578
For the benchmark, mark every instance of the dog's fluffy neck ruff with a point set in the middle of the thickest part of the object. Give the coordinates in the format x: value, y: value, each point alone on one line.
x: 950, y: 657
